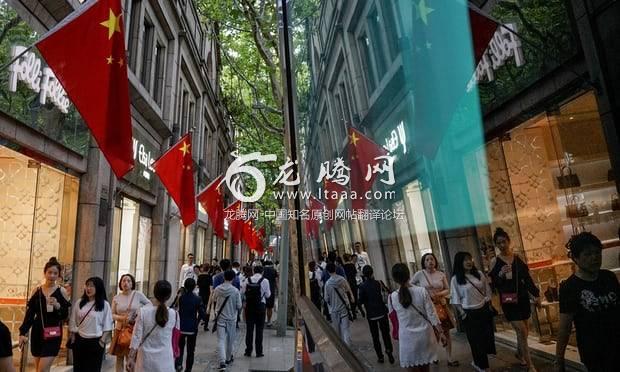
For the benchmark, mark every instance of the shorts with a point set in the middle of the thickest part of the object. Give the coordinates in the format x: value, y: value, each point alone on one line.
x: 270, y: 302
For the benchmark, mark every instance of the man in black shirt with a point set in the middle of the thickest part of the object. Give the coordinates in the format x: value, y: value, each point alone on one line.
x: 590, y: 298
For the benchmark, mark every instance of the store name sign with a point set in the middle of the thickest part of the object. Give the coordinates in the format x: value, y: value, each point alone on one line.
x: 504, y: 45
x: 397, y: 139
x: 144, y: 157
x: 27, y: 68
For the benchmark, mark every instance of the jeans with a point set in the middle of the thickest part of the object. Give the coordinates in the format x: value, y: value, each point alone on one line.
x: 383, y: 326
x: 191, y: 346
x: 226, y: 333
x: 255, y: 319
x: 342, y: 325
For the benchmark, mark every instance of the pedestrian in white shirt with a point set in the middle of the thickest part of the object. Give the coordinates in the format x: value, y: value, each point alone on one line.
x: 470, y: 293
x: 256, y: 290
x: 187, y: 271
x: 91, y: 327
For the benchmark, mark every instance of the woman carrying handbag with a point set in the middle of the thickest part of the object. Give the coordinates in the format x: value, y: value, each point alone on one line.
x: 512, y: 279
x: 47, y: 309
x: 125, y: 306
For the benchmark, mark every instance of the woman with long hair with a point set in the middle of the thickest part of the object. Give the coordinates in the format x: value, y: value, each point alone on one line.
x: 91, y: 326
x: 436, y: 283
x: 511, y: 277
x: 151, y: 344
x: 47, y: 308
x: 419, y: 329
x: 125, y: 306
x: 471, y: 296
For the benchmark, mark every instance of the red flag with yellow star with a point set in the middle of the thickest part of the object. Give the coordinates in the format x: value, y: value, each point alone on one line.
x: 235, y: 225
x: 362, y: 154
x: 175, y: 169
x: 212, y: 199
x: 86, y: 51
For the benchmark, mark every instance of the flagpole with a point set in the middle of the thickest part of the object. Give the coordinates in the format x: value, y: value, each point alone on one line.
x: 8, y: 64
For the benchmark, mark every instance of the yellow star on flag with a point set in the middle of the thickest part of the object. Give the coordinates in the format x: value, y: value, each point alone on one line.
x: 423, y: 11
x: 354, y: 139
x: 120, y: 62
x: 113, y: 24
x: 110, y: 60
x: 185, y: 148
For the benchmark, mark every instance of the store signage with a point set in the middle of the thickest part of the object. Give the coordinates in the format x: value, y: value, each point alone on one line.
x: 397, y: 139
x: 144, y: 157
x: 504, y: 45
x: 27, y: 68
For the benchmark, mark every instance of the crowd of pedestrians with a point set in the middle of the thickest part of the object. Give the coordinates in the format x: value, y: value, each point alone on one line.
x: 421, y: 309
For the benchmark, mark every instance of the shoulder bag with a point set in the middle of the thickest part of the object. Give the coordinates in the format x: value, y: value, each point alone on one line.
x: 49, y: 333
x: 492, y: 311
x: 70, y: 343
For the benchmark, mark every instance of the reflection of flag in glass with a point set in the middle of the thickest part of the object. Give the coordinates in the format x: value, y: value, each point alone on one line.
x: 362, y: 154
x: 212, y: 201
x: 438, y: 63
x: 482, y: 30
x: 313, y: 225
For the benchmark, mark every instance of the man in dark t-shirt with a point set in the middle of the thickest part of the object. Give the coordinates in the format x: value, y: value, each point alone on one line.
x: 590, y: 299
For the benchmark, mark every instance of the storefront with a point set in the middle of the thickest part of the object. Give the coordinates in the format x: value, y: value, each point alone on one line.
x: 38, y: 207
x: 550, y: 177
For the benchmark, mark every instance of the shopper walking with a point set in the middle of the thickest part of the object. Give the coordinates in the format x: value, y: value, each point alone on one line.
x: 46, y: 309
x: 227, y: 300
x: 125, y: 306
x: 436, y: 283
x: 151, y: 344
x: 271, y: 275
x: 187, y: 270
x: 419, y: 329
x: 590, y: 299
x: 470, y: 293
x: 315, y: 284
x: 371, y: 297
x: 91, y: 327
x: 256, y: 291
x: 337, y: 293
x: 191, y: 312
x: 351, y: 275
x: 511, y: 277
x: 204, y: 283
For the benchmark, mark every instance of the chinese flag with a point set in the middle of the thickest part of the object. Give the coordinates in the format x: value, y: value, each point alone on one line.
x: 235, y: 226
x: 312, y: 225
x: 86, y: 51
x: 362, y: 154
x: 482, y: 30
x: 332, y: 203
x: 175, y: 169
x: 212, y: 201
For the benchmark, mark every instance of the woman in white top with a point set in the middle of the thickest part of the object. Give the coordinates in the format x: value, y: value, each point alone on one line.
x: 125, y: 306
x: 151, y: 344
x: 436, y: 284
x: 90, y: 326
x: 418, y: 345
x: 471, y: 296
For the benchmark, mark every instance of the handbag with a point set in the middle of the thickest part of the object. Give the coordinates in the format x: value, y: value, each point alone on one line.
x: 575, y: 210
x: 176, y: 337
x: 123, y: 339
x: 393, y: 319
x: 511, y: 297
x: 49, y: 333
x: 440, y: 304
x: 70, y: 343
x: 568, y: 180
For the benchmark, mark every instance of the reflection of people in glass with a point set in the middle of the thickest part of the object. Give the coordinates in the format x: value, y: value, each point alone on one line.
x: 551, y: 294
x: 48, y: 307
x: 512, y: 279
x: 590, y: 298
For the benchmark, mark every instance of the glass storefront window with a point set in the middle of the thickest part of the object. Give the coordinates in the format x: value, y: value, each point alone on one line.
x: 38, y: 206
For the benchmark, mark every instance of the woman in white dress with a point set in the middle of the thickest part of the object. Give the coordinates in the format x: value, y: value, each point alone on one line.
x: 418, y: 324
x: 151, y: 344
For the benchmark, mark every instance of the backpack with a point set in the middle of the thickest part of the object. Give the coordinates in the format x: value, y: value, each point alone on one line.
x: 253, y: 294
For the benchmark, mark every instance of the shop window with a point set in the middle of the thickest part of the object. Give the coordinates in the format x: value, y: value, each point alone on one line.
x: 148, y: 34
x: 159, y: 73
x: 367, y: 65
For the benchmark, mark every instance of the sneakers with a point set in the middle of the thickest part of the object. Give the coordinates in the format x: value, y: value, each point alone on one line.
x: 260, y: 355
x: 222, y: 367
x: 232, y: 358
x: 269, y: 324
x: 476, y: 368
x: 247, y: 354
x: 380, y: 360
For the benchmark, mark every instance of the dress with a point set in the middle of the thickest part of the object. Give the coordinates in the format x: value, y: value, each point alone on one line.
x: 36, y: 303
x: 155, y: 354
x: 521, y: 310
x: 417, y: 344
